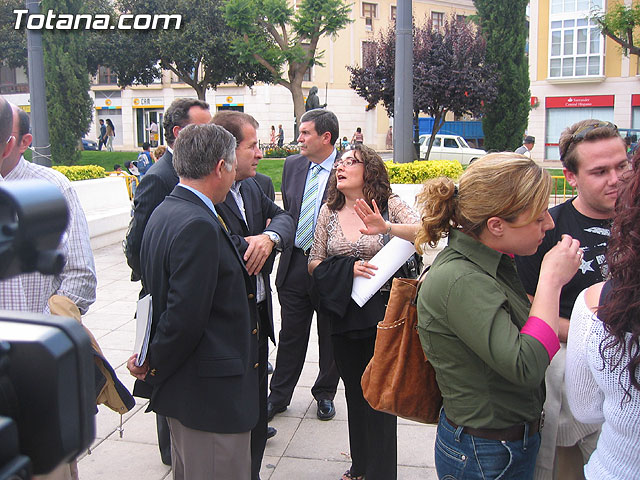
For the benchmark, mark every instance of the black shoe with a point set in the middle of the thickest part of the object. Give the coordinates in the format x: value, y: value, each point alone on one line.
x: 269, y: 368
x: 326, y: 409
x: 273, y: 409
x: 271, y: 432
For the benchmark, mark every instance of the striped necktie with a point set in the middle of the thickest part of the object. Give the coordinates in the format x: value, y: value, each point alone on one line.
x: 304, y: 233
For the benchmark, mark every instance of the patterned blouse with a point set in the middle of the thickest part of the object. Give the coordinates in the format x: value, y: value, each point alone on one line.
x: 329, y: 239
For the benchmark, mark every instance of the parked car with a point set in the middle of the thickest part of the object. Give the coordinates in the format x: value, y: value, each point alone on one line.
x: 89, y: 144
x: 449, y: 147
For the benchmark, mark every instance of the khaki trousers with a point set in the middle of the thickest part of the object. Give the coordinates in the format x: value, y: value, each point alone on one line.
x: 198, y: 455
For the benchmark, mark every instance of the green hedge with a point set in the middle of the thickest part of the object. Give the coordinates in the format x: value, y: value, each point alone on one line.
x: 81, y: 172
x: 419, y: 171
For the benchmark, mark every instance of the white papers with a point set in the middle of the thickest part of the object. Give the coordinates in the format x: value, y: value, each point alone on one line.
x: 144, y: 314
x: 388, y: 260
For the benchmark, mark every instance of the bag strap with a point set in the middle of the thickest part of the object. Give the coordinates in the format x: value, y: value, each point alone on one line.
x: 419, y: 284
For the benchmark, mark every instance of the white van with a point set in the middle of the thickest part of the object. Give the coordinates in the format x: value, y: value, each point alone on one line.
x: 449, y: 147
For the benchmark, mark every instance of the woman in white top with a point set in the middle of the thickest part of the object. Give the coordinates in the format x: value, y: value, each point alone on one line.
x: 603, y: 349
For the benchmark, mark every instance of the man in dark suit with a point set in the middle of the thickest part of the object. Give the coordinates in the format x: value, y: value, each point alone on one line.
x: 154, y: 187
x: 304, y: 181
x: 202, y: 360
x: 258, y: 228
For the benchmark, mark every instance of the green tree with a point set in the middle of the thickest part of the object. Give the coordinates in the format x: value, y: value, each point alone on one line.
x: 199, y: 53
x: 619, y: 24
x: 67, y: 85
x: 13, y: 43
x: 504, y: 25
x: 284, y: 40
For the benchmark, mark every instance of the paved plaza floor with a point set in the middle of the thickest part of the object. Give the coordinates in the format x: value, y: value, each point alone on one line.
x: 304, y: 447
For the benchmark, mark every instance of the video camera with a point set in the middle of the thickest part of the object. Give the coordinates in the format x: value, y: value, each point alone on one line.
x: 47, y: 392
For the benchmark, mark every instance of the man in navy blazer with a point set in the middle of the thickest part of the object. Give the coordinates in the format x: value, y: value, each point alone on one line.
x: 258, y: 228
x: 202, y: 360
x: 158, y: 182
x: 319, y: 131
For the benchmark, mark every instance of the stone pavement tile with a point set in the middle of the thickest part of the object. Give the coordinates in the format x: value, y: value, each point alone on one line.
x: 268, y: 466
x: 287, y: 427
x: 122, y: 307
x: 319, y: 440
x: 107, y: 421
x: 415, y: 445
x: 416, y: 473
x: 300, y: 403
x: 118, y: 339
x: 308, y: 469
x: 103, y: 319
x: 140, y: 428
x: 116, y: 357
x: 113, y: 460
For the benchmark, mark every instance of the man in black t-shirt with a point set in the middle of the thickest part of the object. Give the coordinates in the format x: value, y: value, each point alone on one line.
x: 594, y: 158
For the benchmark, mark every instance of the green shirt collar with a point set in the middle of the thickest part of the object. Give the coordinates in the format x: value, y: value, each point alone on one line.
x: 486, y: 258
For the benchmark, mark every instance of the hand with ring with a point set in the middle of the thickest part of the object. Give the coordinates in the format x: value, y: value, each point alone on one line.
x: 362, y: 268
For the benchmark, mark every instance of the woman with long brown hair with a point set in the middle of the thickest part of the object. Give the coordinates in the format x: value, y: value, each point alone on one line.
x: 340, y: 252
x: 603, y: 349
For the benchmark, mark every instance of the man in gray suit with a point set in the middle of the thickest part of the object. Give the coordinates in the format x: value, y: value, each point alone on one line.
x: 202, y: 360
x: 304, y: 176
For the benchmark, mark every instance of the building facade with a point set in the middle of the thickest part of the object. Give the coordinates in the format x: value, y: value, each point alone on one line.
x: 576, y: 73
x: 134, y: 109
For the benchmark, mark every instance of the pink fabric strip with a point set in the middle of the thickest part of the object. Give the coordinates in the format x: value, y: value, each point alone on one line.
x: 538, y: 329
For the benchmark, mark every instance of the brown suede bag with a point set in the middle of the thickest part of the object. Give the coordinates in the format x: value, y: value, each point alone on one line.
x: 399, y: 379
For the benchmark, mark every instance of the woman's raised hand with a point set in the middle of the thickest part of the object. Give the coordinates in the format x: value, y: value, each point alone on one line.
x: 372, y: 219
x: 561, y: 263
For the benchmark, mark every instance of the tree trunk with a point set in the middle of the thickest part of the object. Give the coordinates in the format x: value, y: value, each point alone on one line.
x: 201, y: 91
x: 295, y: 87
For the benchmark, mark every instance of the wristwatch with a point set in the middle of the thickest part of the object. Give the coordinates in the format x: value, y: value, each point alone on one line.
x: 274, y: 237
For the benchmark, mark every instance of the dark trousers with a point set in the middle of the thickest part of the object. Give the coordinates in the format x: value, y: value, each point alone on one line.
x: 164, y: 438
x: 372, y: 434
x: 259, y: 432
x: 296, y: 309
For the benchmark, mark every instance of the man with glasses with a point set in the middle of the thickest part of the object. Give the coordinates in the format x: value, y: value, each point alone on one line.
x: 593, y: 158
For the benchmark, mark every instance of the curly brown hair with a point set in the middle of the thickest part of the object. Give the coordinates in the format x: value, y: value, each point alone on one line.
x: 376, y: 181
x: 620, y: 312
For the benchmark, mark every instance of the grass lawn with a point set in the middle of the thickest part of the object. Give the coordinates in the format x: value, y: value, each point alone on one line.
x: 272, y: 167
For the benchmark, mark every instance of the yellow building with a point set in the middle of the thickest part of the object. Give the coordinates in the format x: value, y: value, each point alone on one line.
x: 576, y: 73
x: 133, y: 109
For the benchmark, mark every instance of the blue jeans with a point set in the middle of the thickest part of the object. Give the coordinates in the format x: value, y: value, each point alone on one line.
x: 462, y: 456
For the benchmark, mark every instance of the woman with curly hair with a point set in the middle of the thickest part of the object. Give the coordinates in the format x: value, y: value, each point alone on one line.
x: 341, y: 252
x: 603, y: 349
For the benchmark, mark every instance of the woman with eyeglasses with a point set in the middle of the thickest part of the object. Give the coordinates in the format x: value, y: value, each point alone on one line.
x: 341, y: 252
x: 603, y: 350
x: 489, y: 346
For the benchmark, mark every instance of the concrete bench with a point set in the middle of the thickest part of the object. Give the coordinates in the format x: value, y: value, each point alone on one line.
x: 106, y: 204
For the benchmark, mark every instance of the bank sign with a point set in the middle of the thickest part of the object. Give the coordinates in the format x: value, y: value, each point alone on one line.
x: 580, y: 101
